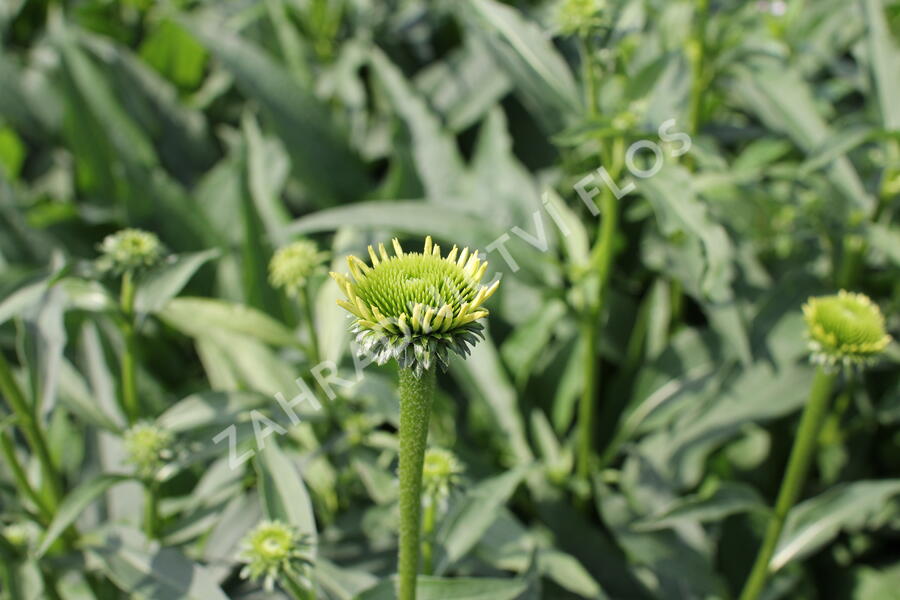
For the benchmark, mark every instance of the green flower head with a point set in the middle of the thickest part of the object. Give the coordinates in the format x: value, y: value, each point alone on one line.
x: 272, y: 550
x: 130, y: 249
x: 148, y: 447
x: 845, y: 330
x: 292, y: 265
x: 414, y: 307
x: 578, y: 16
x: 440, y: 471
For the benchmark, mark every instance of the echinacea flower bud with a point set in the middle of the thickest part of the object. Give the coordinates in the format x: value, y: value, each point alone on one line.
x: 148, y: 447
x: 845, y: 330
x: 293, y: 264
x: 414, y: 307
x: 440, y: 471
x: 274, y: 549
x: 129, y: 249
x: 577, y: 16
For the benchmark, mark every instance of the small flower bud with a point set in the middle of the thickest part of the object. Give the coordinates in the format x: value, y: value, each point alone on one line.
x: 845, y: 330
x: 293, y: 264
x: 440, y: 472
x: 129, y: 249
x: 148, y: 448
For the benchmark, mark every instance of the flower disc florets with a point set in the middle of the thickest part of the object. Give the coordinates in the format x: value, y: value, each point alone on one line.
x: 292, y: 265
x: 415, y: 307
x: 440, y: 471
x: 846, y: 329
x: 148, y: 447
x: 130, y: 249
x: 274, y: 549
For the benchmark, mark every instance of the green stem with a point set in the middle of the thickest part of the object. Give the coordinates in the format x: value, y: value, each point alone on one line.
x: 428, y: 521
x: 602, y: 259
x: 309, y: 317
x: 28, y: 422
x: 128, y: 360
x: 9, y: 454
x: 151, y: 510
x: 415, y: 410
x: 590, y: 81
x: 297, y: 590
x: 794, y: 477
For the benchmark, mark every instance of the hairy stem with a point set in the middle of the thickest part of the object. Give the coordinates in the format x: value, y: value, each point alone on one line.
x: 794, y: 478
x: 307, y: 302
x: 128, y: 360
x: 415, y: 410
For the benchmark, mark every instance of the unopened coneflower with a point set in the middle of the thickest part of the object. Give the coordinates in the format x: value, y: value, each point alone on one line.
x: 148, y: 447
x: 416, y: 308
x: 292, y: 265
x: 440, y: 474
x: 128, y: 250
x: 276, y: 552
x: 846, y: 330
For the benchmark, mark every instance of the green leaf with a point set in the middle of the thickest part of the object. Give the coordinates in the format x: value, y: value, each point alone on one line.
x: 726, y: 499
x: 199, y: 317
x: 176, y: 55
x: 165, y: 281
x: 143, y: 570
x: 541, y: 75
x: 470, y: 517
x: 457, y: 588
x: 885, y: 62
x: 205, y: 409
x: 525, y: 345
x: 815, y: 522
x: 329, y: 165
x: 74, y: 504
x: 282, y: 491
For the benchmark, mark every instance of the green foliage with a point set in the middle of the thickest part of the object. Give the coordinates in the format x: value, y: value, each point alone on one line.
x: 622, y: 429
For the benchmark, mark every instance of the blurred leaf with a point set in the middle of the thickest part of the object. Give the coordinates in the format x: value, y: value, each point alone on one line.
x: 199, y: 317
x: 205, y: 409
x: 885, y: 62
x: 726, y: 499
x: 142, y: 569
x: 457, y: 588
x: 164, y: 282
x: 523, y: 50
x: 176, y: 55
x: 329, y: 165
x: 470, y: 517
x: 74, y: 504
x: 525, y: 345
x: 816, y: 521
x: 283, y: 493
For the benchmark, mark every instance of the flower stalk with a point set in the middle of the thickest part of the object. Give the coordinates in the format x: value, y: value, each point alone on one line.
x: 415, y: 411
x: 794, y: 478
x: 128, y: 363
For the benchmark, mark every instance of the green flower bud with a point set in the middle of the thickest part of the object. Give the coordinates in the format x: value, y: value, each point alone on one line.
x: 292, y: 265
x: 415, y: 307
x: 578, y: 16
x: 22, y: 535
x: 440, y: 471
x: 273, y: 550
x: 129, y: 249
x: 845, y: 330
x: 148, y: 447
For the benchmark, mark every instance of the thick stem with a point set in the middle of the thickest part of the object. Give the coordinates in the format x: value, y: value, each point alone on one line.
x: 415, y: 410
x: 128, y: 360
x: 794, y: 477
x: 28, y: 422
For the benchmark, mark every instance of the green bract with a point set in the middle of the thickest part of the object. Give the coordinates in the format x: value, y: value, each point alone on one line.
x: 293, y: 264
x: 273, y: 549
x: 414, y: 307
x: 846, y: 329
x: 129, y: 249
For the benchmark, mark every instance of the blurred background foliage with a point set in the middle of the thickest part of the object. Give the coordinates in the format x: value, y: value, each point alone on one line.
x: 230, y: 128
